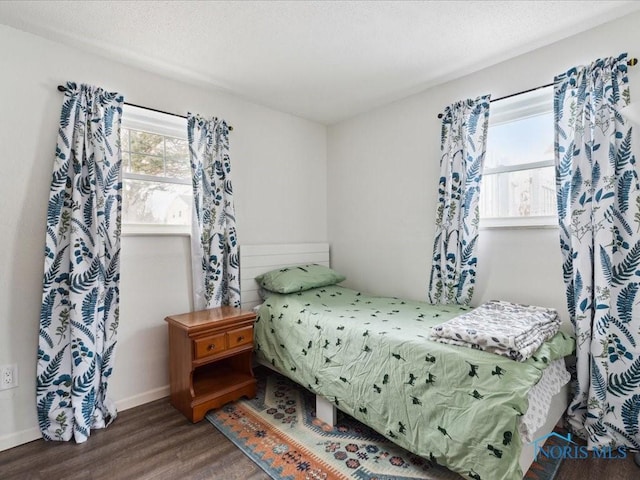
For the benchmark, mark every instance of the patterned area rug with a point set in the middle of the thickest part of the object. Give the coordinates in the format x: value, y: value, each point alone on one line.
x: 279, y: 432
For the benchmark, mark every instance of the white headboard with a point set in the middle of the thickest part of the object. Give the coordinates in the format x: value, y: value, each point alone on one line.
x: 257, y: 259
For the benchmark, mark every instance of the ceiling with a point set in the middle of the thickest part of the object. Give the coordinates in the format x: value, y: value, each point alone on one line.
x: 321, y: 60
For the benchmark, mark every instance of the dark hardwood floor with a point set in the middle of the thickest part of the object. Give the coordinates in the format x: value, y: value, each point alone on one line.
x: 599, y: 469
x: 154, y: 441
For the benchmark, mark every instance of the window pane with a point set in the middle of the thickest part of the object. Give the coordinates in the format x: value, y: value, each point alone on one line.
x: 177, y: 146
x: 524, y: 140
x: 147, y: 143
x: 517, y: 194
x: 154, y: 156
x: 156, y: 203
x: 124, y: 139
x: 147, y: 164
x: 177, y: 151
x: 126, y: 162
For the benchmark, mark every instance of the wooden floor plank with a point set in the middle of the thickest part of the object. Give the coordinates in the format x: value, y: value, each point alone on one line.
x: 156, y: 442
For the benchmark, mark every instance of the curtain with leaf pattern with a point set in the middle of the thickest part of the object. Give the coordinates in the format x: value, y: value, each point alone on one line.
x: 80, y: 302
x: 599, y: 217
x: 463, y: 146
x: 214, y: 247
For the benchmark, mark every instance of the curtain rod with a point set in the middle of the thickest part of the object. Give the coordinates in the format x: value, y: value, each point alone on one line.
x: 632, y: 62
x: 62, y: 88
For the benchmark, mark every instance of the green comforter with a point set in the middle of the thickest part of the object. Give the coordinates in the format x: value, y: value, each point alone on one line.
x: 371, y: 357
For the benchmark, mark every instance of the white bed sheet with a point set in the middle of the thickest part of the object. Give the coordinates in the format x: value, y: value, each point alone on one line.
x: 554, y: 377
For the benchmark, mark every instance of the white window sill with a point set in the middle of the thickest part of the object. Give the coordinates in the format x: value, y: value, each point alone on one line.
x: 155, y: 230
x: 538, y: 222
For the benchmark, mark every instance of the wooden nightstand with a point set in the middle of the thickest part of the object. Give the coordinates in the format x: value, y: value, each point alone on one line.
x: 210, y: 359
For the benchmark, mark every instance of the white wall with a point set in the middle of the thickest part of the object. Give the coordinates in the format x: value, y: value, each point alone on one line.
x: 383, y: 168
x: 279, y: 173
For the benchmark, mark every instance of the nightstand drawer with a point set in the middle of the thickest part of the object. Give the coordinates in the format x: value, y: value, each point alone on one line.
x: 240, y: 336
x: 211, y: 345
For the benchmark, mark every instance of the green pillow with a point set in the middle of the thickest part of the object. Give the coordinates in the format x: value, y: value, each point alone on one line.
x: 299, y: 278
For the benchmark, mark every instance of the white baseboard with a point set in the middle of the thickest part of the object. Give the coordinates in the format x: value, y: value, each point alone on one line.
x: 18, y: 438
x: 142, y: 398
x: 29, y: 435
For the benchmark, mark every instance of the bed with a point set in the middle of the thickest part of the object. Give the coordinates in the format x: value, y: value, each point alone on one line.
x: 370, y: 357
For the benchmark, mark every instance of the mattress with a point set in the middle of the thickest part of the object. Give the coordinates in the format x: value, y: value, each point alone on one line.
x: 372, y: 358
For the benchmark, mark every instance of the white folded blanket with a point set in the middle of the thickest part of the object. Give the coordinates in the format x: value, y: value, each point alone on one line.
x: 509, y: 329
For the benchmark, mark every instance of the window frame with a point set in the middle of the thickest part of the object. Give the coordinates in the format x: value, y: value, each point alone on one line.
x: 140, y: 119
x: 520, y: 107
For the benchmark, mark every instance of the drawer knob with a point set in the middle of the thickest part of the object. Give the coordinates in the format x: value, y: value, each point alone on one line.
x: 211, y: 347
x: 240, y: 338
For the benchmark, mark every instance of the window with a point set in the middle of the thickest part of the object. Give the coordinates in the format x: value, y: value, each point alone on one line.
x: 518, y: 186
x: 156, y: 172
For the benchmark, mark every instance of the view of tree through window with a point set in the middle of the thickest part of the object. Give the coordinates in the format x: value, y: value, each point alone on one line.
x: 518, y: 178
x: 157, y: 179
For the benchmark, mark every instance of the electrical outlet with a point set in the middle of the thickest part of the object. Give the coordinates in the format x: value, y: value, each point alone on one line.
x: 8, y: 376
